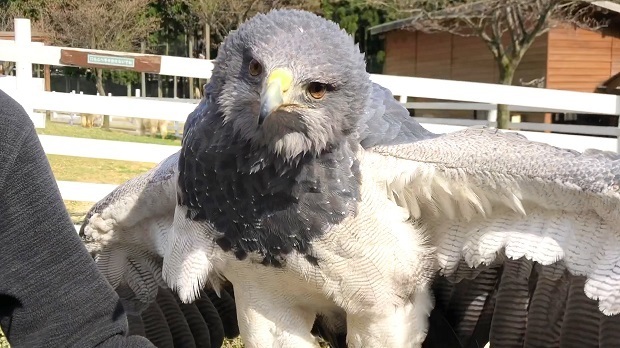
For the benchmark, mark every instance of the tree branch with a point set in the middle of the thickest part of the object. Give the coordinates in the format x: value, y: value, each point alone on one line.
x: 513, y: 27
x: 541, y: 26
x: 479, y: 31
x: 497, y: 34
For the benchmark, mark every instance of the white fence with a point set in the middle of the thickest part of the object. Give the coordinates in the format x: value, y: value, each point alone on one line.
x: 470, y: 96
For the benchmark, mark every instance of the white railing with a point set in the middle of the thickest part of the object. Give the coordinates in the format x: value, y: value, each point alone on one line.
x: 465, y: 96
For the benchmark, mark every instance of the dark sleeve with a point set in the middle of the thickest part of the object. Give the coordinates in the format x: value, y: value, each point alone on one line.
x: 51, y: 293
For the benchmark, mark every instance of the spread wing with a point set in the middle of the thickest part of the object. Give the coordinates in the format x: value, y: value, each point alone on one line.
x: 527, y: 235
x: 126, y: 232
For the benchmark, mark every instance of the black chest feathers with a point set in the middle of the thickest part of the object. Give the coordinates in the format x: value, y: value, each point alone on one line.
x: 267, y: 206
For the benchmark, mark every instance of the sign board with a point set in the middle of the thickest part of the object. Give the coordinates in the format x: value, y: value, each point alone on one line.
x: 86, y: 59
x: 123, y: 62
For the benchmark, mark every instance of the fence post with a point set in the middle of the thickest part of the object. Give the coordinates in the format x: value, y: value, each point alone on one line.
x: 492, y: 118
x: 618, y: 133
x: 138, y: 121
x: 23, y: 65
x: 73, y: 114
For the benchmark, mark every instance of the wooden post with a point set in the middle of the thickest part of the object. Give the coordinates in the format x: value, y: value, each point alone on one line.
x: 143, y: 75
x: 143, y: 89
x: 159, y: 86
x: 167, y: 85
x: 547, y: 120
x: 174, y: 86
x: 618, y: 137
x: 47, y: 76
x: 190, y: 50
x: 492, y: 118
x: 207, y: 40
x: 140, y: 124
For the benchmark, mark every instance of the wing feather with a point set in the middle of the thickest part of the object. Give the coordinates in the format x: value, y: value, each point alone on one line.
x: 136, y: 325
x: 580, y: 327
x: 513, y: 298
x: 469, y: 299
x: 197, y: 324
x: 533, y: 200
x: 526, y: 234
x: 156, y: 327
x: 609, y: 332
x: 126, y: 229
x: 179, y: 328
x: 212, y: 319
x: 225, y: 307
x: 547, y: 307
x: 128, y: 233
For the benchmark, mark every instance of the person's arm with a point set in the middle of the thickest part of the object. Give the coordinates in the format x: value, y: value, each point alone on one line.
x: 51, y: 293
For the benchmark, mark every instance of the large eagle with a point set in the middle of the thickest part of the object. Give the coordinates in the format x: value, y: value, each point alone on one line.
x: 309, y: 191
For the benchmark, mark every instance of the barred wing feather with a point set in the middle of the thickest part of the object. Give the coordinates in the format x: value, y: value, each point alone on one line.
x: 527, y: 235
x: 126, y: 232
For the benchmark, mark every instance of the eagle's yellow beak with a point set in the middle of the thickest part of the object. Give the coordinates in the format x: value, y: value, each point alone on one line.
x: 272, y: 97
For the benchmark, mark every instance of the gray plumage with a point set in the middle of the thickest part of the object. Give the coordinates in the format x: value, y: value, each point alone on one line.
x: 232, y: 178
x: 331, y: 211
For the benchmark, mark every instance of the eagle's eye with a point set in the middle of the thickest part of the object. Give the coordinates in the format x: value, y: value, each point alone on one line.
x: 317, y: 90
x: 255, y: 68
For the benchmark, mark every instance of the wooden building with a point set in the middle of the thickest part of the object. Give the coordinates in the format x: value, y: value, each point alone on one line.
x: 566, y: 58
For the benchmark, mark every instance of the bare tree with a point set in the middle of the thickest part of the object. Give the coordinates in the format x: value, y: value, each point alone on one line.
x: 103, y: 25
x: 34, y: 10
x: 6, y: 24
x: 507, y: 27
x: 6, y: 18
x: 222, y: 16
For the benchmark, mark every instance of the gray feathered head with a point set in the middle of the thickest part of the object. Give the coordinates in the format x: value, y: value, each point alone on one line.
x: 291, y: 81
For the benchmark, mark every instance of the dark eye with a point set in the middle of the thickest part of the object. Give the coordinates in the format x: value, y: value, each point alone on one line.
x: 317, y: 90
x: 255, y: 68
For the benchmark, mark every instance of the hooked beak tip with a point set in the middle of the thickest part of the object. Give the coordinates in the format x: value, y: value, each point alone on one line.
x: 272, y: 97
x: 271, y: 100
x: 266, y: 108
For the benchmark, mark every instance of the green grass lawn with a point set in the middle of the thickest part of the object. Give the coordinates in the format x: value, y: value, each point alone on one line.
x: 77, y: 131
x: 236, y: 343
x: 3, y: 342
x: 92, y: 170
